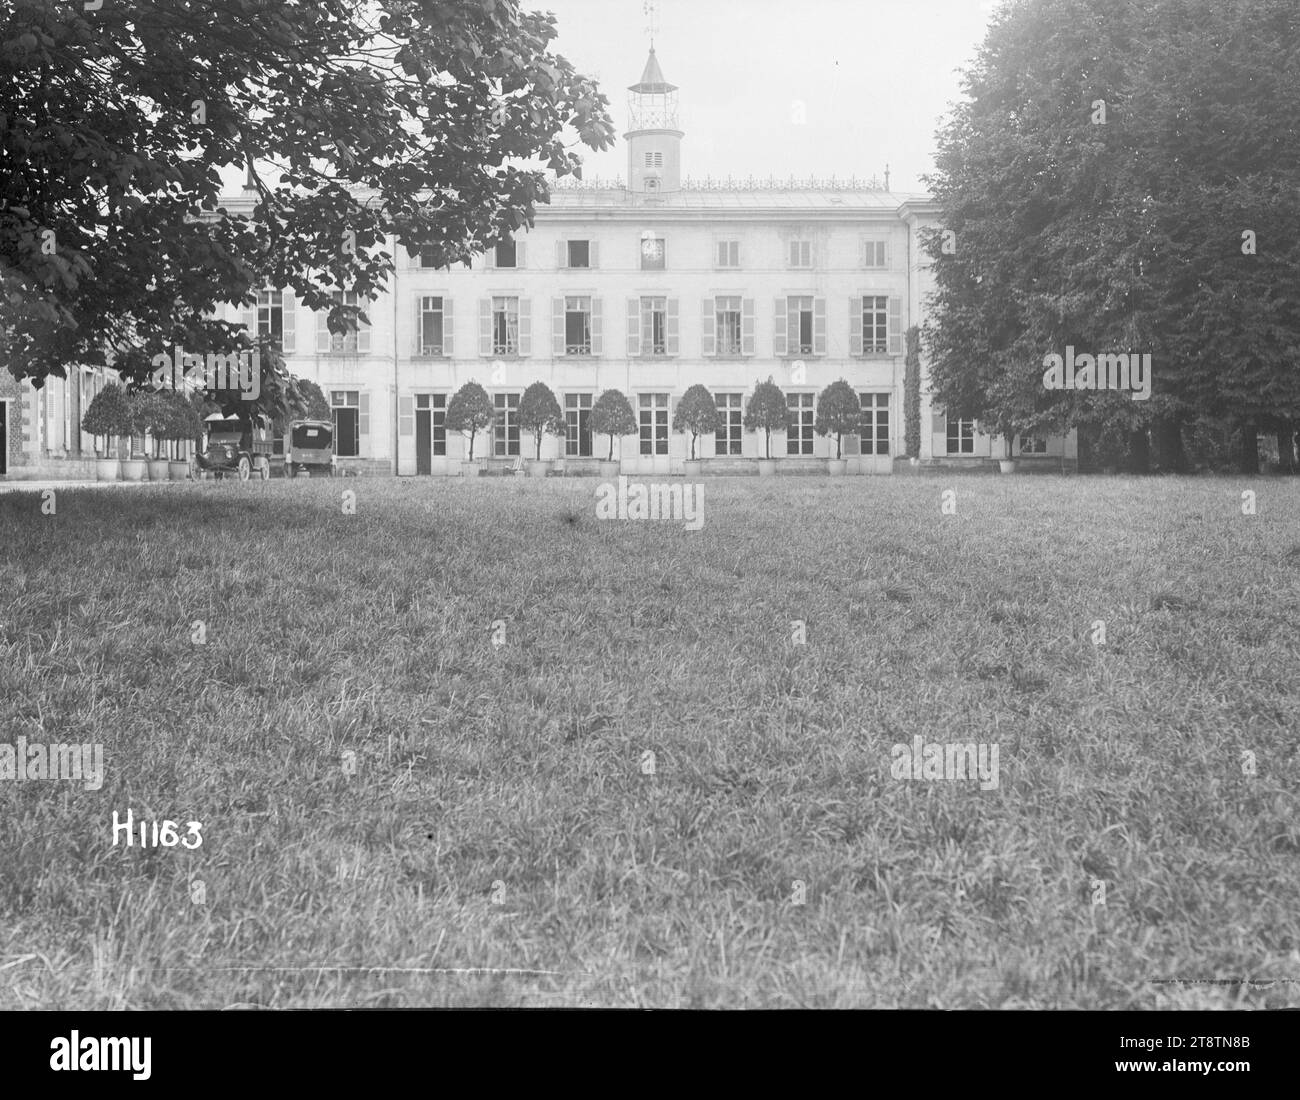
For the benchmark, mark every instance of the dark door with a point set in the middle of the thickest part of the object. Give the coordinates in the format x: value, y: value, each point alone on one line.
x: 4, y: 437
x: 423, y: 442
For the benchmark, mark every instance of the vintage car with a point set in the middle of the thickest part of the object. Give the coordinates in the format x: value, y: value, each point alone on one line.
x: 236, y: 446
x: 309, y: 449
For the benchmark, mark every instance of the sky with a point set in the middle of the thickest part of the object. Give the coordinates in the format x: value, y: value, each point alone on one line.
x: 875, y: 77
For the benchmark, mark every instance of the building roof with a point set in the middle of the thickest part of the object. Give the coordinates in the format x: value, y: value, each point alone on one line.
x: 738, y: 198
x: 652, y: 80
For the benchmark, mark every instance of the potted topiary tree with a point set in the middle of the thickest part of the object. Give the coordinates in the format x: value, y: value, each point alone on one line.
x: 136, y: 467
x: 766, y: 412
x: 612, y: 415
x: 540, y: 413
x: 696, y: 413
x: 181, y: 423
x: 839, y: 413
x: 470, y: 410
x: 108, y: 418
x: 156, y: 414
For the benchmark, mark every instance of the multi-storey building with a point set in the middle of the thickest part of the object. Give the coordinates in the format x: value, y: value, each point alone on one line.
x: 649, y: 287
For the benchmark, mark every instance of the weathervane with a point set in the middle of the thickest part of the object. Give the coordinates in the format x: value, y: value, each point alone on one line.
x: 652, y: 20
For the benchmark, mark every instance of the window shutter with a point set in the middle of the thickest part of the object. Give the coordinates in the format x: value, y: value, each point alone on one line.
x: 249, y: 318
x: 406, y: 416
x: 747, y: 326
x: 289, y: 332
x: 794, y: 253
x: 363, y: 338
x: 633, y: 326
x: 719, y: 253
x: 864, y: 253
x: 812, y: 253
x: 882, y: 254
x: 525, y: 325
x: 448, y: 328
x: 519, y: 254
x: 490, y: 258
x: 322, y: 330
x: 939, y: 423
x: 779, y: 340
x: 417, y: 343
x: 597, y: 328
x: 819, y: 326
x: 855, y: 326
x: 485, y: 326
x: 895, y: 326
x: 561, y: 253
x: 593, y: 253
x: 557, y: 326
x: 670, y: 340
x: 363, y: 425
x: 708, y: 329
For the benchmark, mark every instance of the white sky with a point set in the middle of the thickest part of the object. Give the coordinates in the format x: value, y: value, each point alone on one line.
x: 875, y: 77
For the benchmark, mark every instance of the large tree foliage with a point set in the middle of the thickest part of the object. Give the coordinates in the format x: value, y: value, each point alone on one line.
x: 433, y: 120
x: 1126, y: 234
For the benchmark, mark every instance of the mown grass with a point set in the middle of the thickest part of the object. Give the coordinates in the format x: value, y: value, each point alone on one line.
x: 500, y: 818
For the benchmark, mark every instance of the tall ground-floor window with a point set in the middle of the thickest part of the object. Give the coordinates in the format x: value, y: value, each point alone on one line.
x: 731, y: 411
x: 430, y: 430
x: 345, y: 406
x: 874, y: 432
x: 653, y: 410
x: 961, y: 437
x: 799, y: 435
x: 505, y: 432
x: 577, y: 425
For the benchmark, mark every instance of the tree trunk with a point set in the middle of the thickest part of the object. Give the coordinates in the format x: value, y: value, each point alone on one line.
x: 1248, y: 450
x: 1167, y: 436
x: 1139, y: 452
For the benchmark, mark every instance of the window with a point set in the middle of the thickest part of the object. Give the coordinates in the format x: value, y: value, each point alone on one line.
x: 1033, y: 445
x: 874, y: 432
x: 426, y: 258
x: 579, y: 254
x: 431, y: 318
x: 961, y: 437
x: 506, y: 254
x: 654, y: 423
x: 875, y: 325
x: 433, y: 406
x: 577, y: 425
x: 577, y: 326
x: 728, y: 254
x: 345, y: 407
x: 654, y: 160
x: 270, y: 316
x: 730, y: 409
x: 799, y: 435
x: 875, y: 254
x: 351, y: 342
x: 800, y: 321
x: 729, y: 328
x: 801, y: 253
x: 653, y: 253
x: 654, y: 326
x: 505, y: 429
x: 505, y: 326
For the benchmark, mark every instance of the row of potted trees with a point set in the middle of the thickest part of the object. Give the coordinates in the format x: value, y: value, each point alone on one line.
x: 838, y: 413
x: 169, y: 418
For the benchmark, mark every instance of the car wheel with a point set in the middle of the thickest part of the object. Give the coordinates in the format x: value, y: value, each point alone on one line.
x: 245, y: 469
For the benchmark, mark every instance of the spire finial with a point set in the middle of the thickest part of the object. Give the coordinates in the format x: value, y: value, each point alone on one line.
x: 652, y: 21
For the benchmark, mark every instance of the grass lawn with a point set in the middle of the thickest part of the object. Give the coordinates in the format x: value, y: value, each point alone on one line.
x: 380, y: 786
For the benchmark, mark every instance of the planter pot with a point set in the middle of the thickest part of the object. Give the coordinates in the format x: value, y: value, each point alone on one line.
x: 135, y: 469
x: 178, y: 469
x: 837, y: 467
x: 608, y: 469
x: 469, y: 469
x: 693, y: 467
x: 1008, y: 465
x: 537, y: 467
x: 158, y: 469
x: 108, y: 469
x: 767, y: 467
